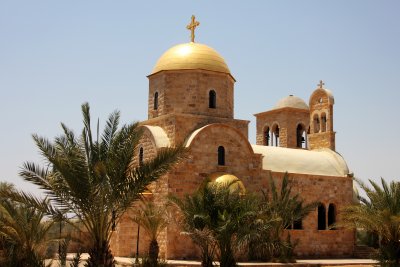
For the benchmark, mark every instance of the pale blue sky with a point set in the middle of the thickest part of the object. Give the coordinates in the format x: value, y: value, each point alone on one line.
x: 55, y: 55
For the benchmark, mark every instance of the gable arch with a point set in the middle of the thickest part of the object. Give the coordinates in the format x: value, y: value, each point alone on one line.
x: 221, y: 128
x: 157, y: 135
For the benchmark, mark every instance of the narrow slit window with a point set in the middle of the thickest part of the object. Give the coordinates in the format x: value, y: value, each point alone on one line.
x: 221, y: 156
x: 298, y: 225
x: 321, y: 217
x: 331, y: 216
x: 212, y: 99
x: 141, y: 156
x: 155, y: 101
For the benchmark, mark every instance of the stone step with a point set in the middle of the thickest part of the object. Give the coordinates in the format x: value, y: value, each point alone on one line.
x: 364, y: 252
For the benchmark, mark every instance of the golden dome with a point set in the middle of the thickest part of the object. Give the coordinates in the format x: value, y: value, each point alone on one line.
x: 226, y: 179
x: 191, y: 56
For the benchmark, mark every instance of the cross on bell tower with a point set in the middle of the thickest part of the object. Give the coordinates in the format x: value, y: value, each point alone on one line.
x: 192, y: 27
x: 321, y: 84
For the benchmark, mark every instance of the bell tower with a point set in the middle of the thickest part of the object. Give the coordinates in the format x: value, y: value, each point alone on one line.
x: 321, y: 119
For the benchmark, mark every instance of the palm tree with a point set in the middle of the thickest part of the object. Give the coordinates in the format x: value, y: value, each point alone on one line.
x: 94, y: 176
x: 379, y: 214
x: 278, y: 210
x: 213, y: 217
x: 195, y: 221
x: 23, y: 230
x: 153, y: 219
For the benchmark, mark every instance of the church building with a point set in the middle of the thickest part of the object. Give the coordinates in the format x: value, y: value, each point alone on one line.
x: 191, y: 102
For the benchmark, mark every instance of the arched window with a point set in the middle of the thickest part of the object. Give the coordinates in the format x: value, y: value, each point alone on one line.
x: 321, y: 217
x: 212, y: 99
x: 155, y: 100
x: 301, y: 136
x: 266, y: 137
x: 316, y: 123
x: 331, y: 216
x: 275, y: 135
x: 221, y: 155
x: 141, y: 156
x: 323, y: 122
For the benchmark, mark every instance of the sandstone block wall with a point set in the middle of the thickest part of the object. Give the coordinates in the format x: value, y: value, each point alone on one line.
x: 187, y: 91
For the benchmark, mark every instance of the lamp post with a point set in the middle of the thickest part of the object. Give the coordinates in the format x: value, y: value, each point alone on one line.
x: 137, y: 244
x: 59, y: 239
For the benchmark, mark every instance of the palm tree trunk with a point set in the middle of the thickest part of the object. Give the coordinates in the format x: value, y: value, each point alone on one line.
x: 100, y: 256
x: 227, y: 258
x: 153, y: 250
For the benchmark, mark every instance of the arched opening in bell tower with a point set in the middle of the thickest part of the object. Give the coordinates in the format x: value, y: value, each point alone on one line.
x: 275, y: 135
x: 316, y: 123
x: 266, y: 136
x: 323, y: 122
x: 301, y: 136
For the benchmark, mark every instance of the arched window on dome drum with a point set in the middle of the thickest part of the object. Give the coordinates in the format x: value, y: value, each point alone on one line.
x: 301, y: 136
x: 221, y: 156
x: 323, y: 122
x: 266, y: 137
x: 316, y: 123
x: 331, y: 216
x: 155, y: 101
x: 141, y: 156
x: 212, y: 99
x: 321, y: 217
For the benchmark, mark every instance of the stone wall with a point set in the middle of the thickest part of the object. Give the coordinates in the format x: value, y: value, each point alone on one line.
x: 187, y: 91
x: 243, y: 163
x: 326, y: 190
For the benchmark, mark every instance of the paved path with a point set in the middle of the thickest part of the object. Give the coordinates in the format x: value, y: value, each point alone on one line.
x: 125, y: 262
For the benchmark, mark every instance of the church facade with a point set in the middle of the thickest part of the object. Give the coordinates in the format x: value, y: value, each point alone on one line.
x: 191, y: 102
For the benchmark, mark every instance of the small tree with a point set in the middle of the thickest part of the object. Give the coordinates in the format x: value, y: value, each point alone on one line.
x: 195, y: 221
x: 23, y: 230
x: 278, y: 210
x: 153, y: 219
x: 213, y: 216
x: 379, y: 214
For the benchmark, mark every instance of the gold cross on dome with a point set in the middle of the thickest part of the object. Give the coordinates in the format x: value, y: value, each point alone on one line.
x: 192, y: 27
x: 321, y: 84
